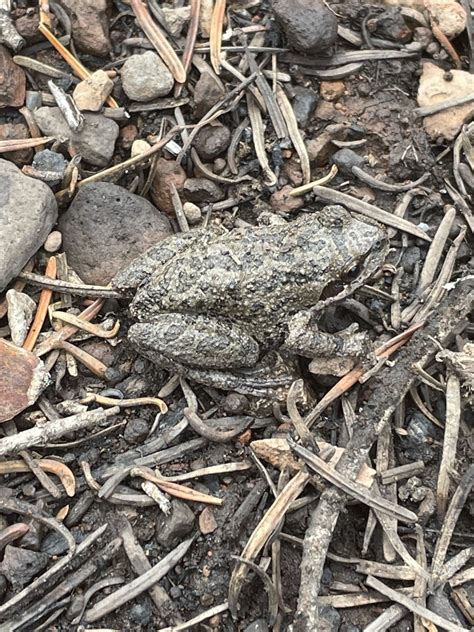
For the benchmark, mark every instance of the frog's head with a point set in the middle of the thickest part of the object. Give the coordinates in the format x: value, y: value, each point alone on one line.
x: 362, y: 247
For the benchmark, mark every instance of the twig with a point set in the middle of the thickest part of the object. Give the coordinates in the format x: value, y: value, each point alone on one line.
x: 85, y: 325
x: 294, y: 133
x: 449, y: 317
x: 398, y: 597
x: 40, y: 435
x: 174, y: 489
x: 138, y: 585
x: 261, y: 534
x: 140, y: 564
x: 256, y: 122
x: 451, y: 432
x: 23, y: 143
x: 72, y: 115
x: 47, y: 577
x: 387, y: 619
x: 65, y: 287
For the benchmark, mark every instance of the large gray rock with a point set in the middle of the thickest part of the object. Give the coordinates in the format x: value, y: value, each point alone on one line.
x: 95, y: 142
x: 145, y: 77
x: 28, y: 211
x: 309, y: 25
x: 174, y: 527
x: 106, y: 227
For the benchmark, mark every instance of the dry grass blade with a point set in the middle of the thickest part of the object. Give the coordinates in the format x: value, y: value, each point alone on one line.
x: 352, y: 203
x: 125, y: 403
x: 261, y: 534
x: 350, y: 487
x: 451, y: 432
x: 174, y: 489
x: 215, y: 39
x: 159, y: 41
x: 197, y: 619
x: 85, y: 325
x: 307, y: 188
x: 42, y: 309
x: 94, y: 365
x: 398, y: 597
x: 294, y: 132
x: 256, y: 122
x: 24, y: 143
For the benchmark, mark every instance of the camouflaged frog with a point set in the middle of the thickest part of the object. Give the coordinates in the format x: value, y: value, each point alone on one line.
x: 234, y: 310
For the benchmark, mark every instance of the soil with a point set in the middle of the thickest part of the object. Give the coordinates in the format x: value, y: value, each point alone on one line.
x: 378, y: 103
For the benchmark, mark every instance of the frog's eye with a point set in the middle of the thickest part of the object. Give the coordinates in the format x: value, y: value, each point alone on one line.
x: 352, y: 273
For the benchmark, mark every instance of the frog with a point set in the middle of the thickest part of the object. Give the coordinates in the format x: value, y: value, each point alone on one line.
x: 236, y: 309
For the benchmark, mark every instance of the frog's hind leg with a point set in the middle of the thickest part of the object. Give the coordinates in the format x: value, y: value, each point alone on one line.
x: 194, y: 341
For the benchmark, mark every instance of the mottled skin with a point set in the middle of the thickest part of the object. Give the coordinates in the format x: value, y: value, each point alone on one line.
x: 212, y: 306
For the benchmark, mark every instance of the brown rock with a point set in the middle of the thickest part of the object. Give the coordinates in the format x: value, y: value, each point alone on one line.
x: 127, y: 135
x: 207, y: 521
x: 167, y: 171
x: 16, y: 131
x: 282, y: 202
x: 12, y: 81
x: 449, y: 15
x: 22, y: 379
x: 320, y: 148
x: 209, y: 91
x: 90, y: 25
x: 91, y: 93
x: 434, y: 88
x: 332, y: 90
x: 202, y: 190
x: 27, y: 26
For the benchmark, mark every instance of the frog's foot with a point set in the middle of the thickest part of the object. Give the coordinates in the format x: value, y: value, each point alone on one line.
x: 194, y: 341
x: 331, y: 354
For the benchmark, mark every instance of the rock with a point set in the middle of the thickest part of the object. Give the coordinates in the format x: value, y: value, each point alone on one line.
x: 303, y: 104
x: 22, y: 379
x: 53, y: 241
x: 282, y: 202
x: 139, y: 147
x: 95, y: 142
x: 91, y: 93
x: 21, y: 309
x: 28, y: 211
x: 27, y: 26
x: 12, y: 81
x: 449, y: 15
x: 439, y: 603
x: 235, y: 403
x: 346, y: 158
x: 202, y: 190
x: 145, y: 77
x: 320, y: 148
x: 128, y: 135
x: 329, y: 619
x: 174, y: 527
x: 21, y: 565
x: 176, y: 18
x: 51, y: 165
x: 209, y: 91
x: 207, y: 521
x: 332, y: 90
x: 434, y: 88
x: 212, y: 141
x: 90, y: 25
x: 309, y: 25
x: 115, y: 225
x: 166, y: 171
x: 136, y: 430
x: 16, y: 131
x: 54, y: 544
x: 192, y: 212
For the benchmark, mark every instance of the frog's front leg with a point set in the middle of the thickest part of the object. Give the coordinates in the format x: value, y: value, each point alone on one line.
x: 177, y: 341
x: 331, y: 354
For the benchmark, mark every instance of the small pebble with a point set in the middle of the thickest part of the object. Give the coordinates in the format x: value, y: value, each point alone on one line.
x: 309, y: 25
x: 91, y: 93
x: 346, y: 158
x: 21, y: 309
x: 332, y: 90
x: 207, y: 521
x: 202, y: 190
x: 136, y: 430
x: 145, y: 77
x: 235, y: 403
x: 192, y: 212
x: 212, y: 141
x: 139, y: 147
x: 53, y: 241
x: 282, y: 202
